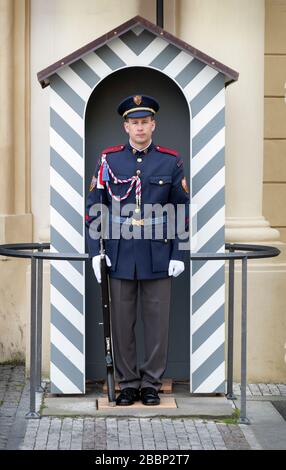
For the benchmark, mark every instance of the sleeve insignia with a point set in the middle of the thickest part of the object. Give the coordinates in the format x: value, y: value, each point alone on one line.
x: 93, y: 183
x: 185, y: 185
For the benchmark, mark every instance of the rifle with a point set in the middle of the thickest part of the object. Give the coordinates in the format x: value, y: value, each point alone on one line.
x: 105, y: 300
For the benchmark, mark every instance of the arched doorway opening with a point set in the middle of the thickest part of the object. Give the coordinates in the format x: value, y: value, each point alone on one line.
x: 103, y: 128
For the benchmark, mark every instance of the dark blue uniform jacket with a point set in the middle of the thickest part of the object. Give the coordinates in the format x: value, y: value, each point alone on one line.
x: 163, y: 181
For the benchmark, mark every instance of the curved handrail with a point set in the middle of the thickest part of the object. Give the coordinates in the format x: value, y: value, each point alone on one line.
x: 252, y: 252
x: 247, y: 251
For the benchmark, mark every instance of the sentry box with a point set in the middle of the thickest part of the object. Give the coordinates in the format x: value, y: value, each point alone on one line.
x: 85, y: 89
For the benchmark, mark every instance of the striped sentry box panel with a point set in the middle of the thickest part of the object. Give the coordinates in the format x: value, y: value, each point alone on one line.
x: 71, y: 88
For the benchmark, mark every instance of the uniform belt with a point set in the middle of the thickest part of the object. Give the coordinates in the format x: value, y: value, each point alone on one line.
x: 133, y: 221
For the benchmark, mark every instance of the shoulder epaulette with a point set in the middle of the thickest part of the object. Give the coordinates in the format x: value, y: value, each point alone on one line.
x: 167, y: 150
x: 116, y: 148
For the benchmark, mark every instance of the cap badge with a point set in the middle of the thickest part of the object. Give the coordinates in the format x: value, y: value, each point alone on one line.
x: 137, y: 99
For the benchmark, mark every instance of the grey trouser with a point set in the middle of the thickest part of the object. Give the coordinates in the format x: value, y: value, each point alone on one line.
x: 155, y: 297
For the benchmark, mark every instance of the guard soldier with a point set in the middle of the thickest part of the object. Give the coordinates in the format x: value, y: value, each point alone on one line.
x: 138, y: 175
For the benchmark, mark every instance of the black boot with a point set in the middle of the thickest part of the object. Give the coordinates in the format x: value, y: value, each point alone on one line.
x: 149, y: 396
x: 128, y: 396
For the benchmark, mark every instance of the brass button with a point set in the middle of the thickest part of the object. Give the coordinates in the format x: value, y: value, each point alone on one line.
x: 145, y: 151
x: 134, y: 151
x: 166, y: 241
x: 138, y: 172
x: 139, y: 160
x: 161, y: 182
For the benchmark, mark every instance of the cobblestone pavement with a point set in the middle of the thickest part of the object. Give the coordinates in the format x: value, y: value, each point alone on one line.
x: 16, y: 432
x: 14, y: 402
x: 134, y: 433
x: 261, y: 390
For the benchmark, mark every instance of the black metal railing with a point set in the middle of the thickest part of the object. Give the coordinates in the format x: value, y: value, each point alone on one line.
x: 237, y: 251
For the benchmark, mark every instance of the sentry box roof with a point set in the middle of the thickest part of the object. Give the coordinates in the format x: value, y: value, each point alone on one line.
x: 124, y: 32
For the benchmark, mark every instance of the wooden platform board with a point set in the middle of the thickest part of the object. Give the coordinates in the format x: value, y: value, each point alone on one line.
x: 167, y: 386
x: 165, y: 402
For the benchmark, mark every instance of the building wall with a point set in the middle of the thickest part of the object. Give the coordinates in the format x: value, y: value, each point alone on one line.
x: 233, y: 32
x: 274, y: 187
x: 230, y: 30
x: 15, y: 202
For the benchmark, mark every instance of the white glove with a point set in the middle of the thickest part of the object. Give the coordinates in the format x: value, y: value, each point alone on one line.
x: 176, y: 267
x: 96, y: 266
